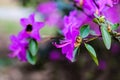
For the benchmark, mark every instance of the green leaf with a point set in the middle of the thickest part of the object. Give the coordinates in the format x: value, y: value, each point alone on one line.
x: 74, y: 54
x: 115, y: 26
x: 92, y: 53
x: 84, y: 31
x: 31, y: 59
x: 33, y: 47
x: 106, y: 37
x: 92, y: 32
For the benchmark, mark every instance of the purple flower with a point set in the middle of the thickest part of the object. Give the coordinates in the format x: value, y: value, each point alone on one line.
x: 68, y: 44
x: 94, y: 6
x: 88, y: 6
x: 51, y: 14
x: 102, y: 4
x: 113, y: 14
x: 18, y: 48
x: 74, y: 20
x: 71, y: 32
x: 30, y: 28
x: 116, y: 1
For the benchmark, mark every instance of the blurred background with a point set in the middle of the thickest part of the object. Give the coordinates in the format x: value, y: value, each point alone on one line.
x: 52, y: 65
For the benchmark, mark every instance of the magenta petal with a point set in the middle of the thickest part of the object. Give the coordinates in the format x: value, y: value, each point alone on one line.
x: 35, y: 35
x: 24, y: 22
x: 18, y: 47
x: 23, y: 35
x: 22, y: 56
x: 13, y: 38
x: 31, y: 18
x: 110, y: 3
x: 61, y: 45
x: 114, y: 14
x: 65, y: 49
x: 38, y: 25
x: 13, y: 47
x: 47, y: 7
x: 15, y: 53
x: 69, y: 55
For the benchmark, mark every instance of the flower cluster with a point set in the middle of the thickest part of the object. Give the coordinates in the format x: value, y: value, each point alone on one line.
x: 95, y: 6
x: 71, y: 33
x: 89, y: 20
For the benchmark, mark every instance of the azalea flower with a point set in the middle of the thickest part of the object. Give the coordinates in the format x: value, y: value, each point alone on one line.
x: 88, y: 6
x: 18, y: 48
x: 71, y: 32
x: 74, y: 20
x: 51, y: 14
x: 68, y: 44
x: 94, y: 6
x: 113, y: 14
x: 30, y: 28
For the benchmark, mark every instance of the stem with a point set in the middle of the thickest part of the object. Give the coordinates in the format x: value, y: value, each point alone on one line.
x: 93, y: 38
x: 49, y: 38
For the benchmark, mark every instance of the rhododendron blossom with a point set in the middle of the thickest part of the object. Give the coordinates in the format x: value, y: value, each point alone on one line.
x: 94, y: 6
x: 30, y: 27
x: 18, y: 48
x: 52, y: 15
x: 71, y: 32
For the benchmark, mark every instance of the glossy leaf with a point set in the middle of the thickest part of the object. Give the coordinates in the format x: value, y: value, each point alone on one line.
x: 106, y: 37
x: 33, y: 47
x: 84, y: 31
x: 92, y: 53
x: 31, y: 59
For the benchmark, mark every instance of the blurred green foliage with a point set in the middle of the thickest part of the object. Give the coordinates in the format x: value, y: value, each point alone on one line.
x: 30, y: 3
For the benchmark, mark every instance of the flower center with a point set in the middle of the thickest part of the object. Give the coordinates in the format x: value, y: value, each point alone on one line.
x: 29, y: 28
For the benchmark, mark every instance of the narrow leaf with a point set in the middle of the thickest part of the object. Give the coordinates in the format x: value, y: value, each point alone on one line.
x: 84, y: 31
x: 31, y: 59
x: 92, y: 53
x: 74, y: 54
x: 106, y: 37
x: 33, y: 47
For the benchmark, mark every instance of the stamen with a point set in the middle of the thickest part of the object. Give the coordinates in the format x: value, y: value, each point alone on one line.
x: 29, y: 28
x: 78, y: 42
x: 79, y: 39
x: 109, y: 28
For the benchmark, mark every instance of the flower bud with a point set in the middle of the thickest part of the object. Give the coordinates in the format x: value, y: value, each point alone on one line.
x: 109, y: 28
x: 78, y: 41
